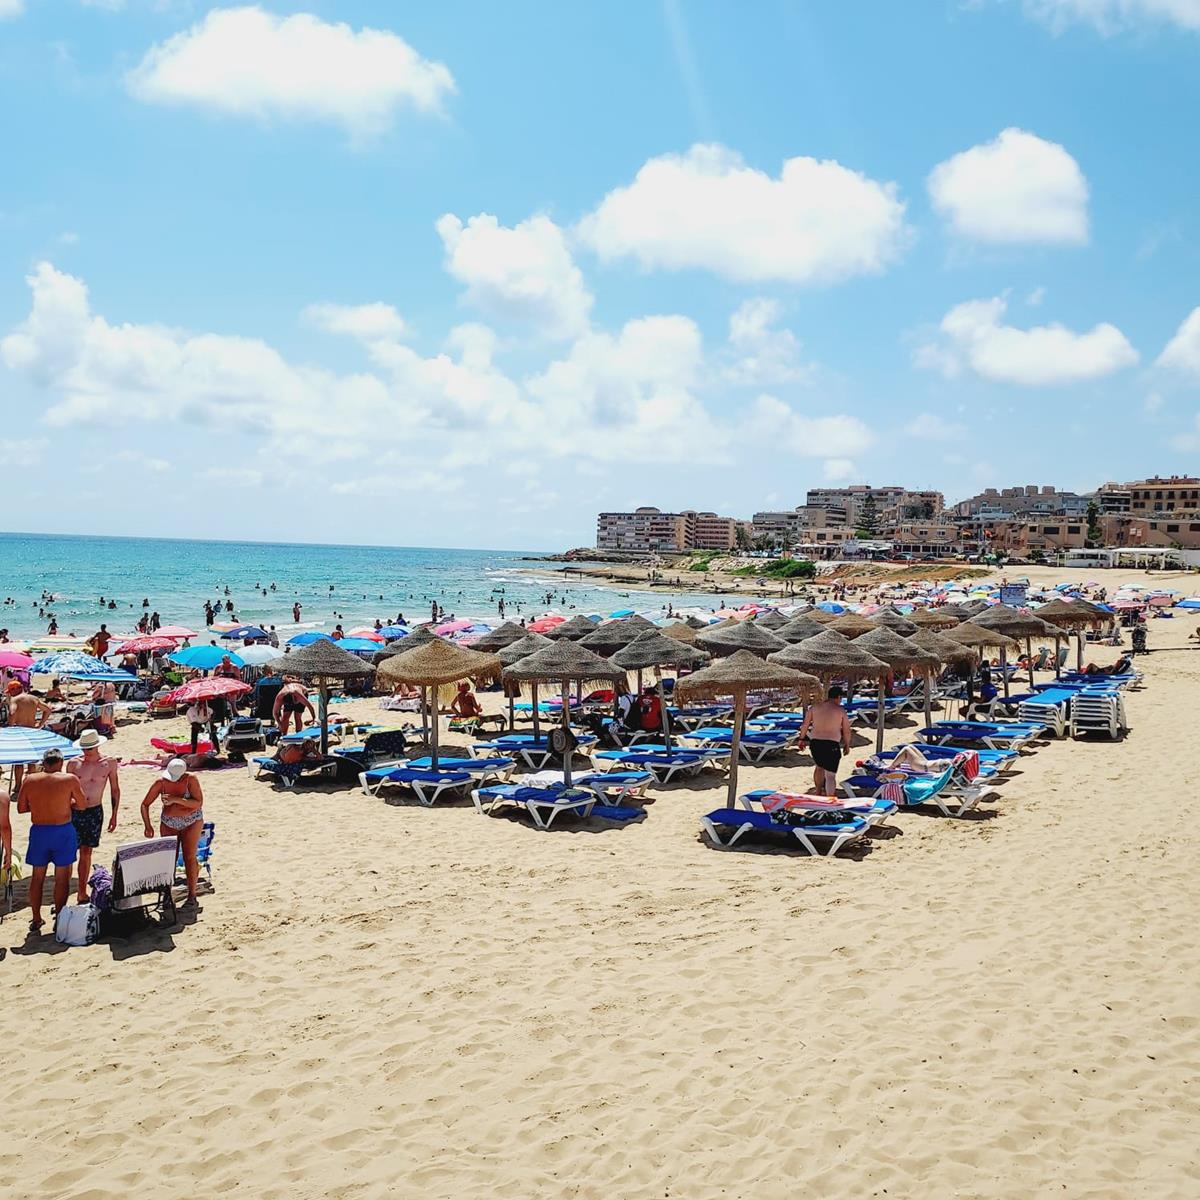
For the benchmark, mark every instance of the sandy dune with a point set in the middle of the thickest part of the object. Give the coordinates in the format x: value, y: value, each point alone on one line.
x: 384, y: 1000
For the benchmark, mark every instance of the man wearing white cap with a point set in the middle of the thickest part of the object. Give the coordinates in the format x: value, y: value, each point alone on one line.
x: 95, y: 772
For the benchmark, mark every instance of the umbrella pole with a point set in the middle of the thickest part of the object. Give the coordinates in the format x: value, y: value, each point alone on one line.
x: 1029, y: 655
x: 566, y: 726
x: 537, y: 728
x: 323, y: 702
x: 880, y: 711
x: 1004, y: 669
x: 512, y: 716
x: 1079, y: 650
x: 666, y: 727
x: 433, y: 713
x: 928, y: 698
x: 735, y: 745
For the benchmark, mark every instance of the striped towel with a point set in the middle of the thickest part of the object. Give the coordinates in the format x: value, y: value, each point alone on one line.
x: 780, y: 801
x: 969, y: 762
x: 892, y: 790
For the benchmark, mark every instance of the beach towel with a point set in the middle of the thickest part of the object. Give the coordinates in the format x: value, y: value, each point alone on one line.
x: 969, y: 761
x: 892, y: 790
x: 617, y: 812
x: 146, y: 866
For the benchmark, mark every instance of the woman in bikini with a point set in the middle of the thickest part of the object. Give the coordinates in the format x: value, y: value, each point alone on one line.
x: 182, y: 815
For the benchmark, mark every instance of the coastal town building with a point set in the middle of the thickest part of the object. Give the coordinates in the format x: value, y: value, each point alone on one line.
x: 1175, y: 493
x: 648, y: 529
x: 1032, y: 500
x: 899, y: 502
x: 1167, y: 530
x: 789, y: 527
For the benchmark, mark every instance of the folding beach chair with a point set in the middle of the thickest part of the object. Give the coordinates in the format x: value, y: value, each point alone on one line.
x: 203, y: 852
x: 807, y: 830
x: 143, y: 876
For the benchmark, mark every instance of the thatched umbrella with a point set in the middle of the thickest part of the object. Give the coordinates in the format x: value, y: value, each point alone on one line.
x: 736, y: 675
x: 695, y: 622
x: 958, y: 610
x: 742, y: 635
x: 770, y: 620
x: 418, y: 637
x: 901, y: 655
x: 561, y: 662
x: 933, y: 618
x: 514, y: 652
x: 322, y: 662
x: 1017, y: 624
x: 972, y: 608
x: 1073, y: 616
x: 573, y: 630
x: 681, y: 631
x: 799, y: 629
x: 829, y: 655
x: 498, y: 638
x: 612, y: 635
x: 823, y: 616
x: 853, y: 625
x: 952, y: 653
x: 434, y: 664
x: 889, y: 618
x: 980, y: 638
x: 652, y: 649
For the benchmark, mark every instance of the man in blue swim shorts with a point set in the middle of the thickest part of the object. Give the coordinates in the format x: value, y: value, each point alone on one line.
x: 50, y: 796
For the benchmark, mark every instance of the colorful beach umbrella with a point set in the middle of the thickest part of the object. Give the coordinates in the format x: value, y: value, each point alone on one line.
x: 20, y: 746
x: 204, y: 658
x: 149, y: 643
x: 70, y: 662
x: 257, y: 656
x: 175, y: 631
x: 14, y: 660
x: 308, y: 637
x: 241, y: 632
x: 206, y: 689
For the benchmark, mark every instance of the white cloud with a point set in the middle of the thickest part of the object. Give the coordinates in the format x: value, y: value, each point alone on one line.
x: 974, y: 339
x: 835, y: 436
x: 1182, y: 352
x: 523, y: 273
x: 931, y: 428
x: 818, y: 222
x: 367, y: 322
x: 145, y: 462
x: 11, y: 8
x: 760, y: 354
x: 1035, y: 298
x: 1112, y: 16
x: 1017, y: 188
x: 232, y: 476
x: 838, y: 470
x: 249, y: 63
x: 1152, y: 404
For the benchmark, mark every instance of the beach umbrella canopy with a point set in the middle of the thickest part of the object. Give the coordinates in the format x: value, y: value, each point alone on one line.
x: 357, y: 645
x: 823, y: 616
x: 933, y: 618
x: 889, y: 618
x: 308, y: 637
x: 744, y: 635
x: 980, y: 638
x: 612, y: 635
x: 574, y: 629
x: 205, y: 658
x: 14, y: 660
x: 946, y: 648
x: 734, y: 676
x: 206, y: 689
x: 562, y: 662
x: 773, y: 619
x: 391, y: 632
x: 175, y: 631
x: 437, y: 663
x: 899, y: 653
x: 367, y: 631
x: 257, y: 656
x: 240, y: 633
x: 799, y: 629
x: 20, y: 746
x: 501, y: 636
x: 544, y: 623
x: 74, y: 663
x: 1071, y: 614
x: 655, y: 649
x: 418, y: 637
x: 681, y: 631
x: 522, y: 648
x: 149, y: 643
x: 1014, y: 622
x: 853, y: 625
x: 322, y: 663
x: 448, y: 627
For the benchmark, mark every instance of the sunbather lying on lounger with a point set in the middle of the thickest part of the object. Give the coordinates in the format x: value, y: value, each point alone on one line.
x: 1118, y: 668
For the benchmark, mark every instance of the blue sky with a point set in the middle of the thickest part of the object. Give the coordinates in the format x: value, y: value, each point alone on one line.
x: 464, y: 274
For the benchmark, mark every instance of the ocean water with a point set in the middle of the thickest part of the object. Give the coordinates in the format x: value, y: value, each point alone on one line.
x: 350, y: 584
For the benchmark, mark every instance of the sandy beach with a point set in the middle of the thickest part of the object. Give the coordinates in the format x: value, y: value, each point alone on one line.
x: 379, y: 999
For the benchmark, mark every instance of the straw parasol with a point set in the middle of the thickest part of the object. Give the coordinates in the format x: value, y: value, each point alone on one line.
x: 436, y: 663
x: 853, y: 625
x: 1073, y: 616
x: 514, y: 652
x: 652, y: 649
x: 799, y: 629
x: 573, y: 630
x: 829, y: 655
x: 612, y: 635
x: 770, y: 620
x: 889, y: 618
x: 980, y: 638
x: 933, y: 618
x: 1017, y: 624
x: 823, y: 616
x: 681, y: 631
x: 418, y: 637
x: 959, y: 611
x: 322, y: 662
x: 498, y: 638
x: 736, y: 675
x: 949, y: 651
x: 901, y: 655
x: 742, y: 635
x: 561, y: 662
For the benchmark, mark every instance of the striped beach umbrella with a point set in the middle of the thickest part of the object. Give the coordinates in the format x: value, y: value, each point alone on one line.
x: 20, y: 746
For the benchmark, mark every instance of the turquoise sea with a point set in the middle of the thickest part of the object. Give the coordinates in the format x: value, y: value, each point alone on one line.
x: 350, y: 584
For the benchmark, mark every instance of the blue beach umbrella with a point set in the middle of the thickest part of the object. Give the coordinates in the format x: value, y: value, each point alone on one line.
x: 391, y: 632
x: 622, y: 612
x: 19, y: 746
x: 108, y: 675
x: 829, y: 606
x: 203, y: 658
x: 69, y: 662
x: 241, y: 632
x: 359, y: 645
x: 307, y: 638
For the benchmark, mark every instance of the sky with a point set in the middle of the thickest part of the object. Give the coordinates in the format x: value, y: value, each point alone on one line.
x: 465, y: 274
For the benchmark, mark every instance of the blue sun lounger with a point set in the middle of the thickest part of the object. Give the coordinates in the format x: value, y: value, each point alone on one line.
x: 938, y: 790
x: 663, y: 764
x: 754, y: 745
x: 499, y: 767
x: 542, y: 803
x: 997, y: 760
x: 426, y: 785
x: 982, y: 733
x: 872, y: 812
x: 737, y: 822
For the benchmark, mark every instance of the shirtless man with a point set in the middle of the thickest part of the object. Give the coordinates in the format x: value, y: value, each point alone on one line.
x: 50, y: 796
x: 827, y: 730
x: 94, y: 772
x: 27, y: 711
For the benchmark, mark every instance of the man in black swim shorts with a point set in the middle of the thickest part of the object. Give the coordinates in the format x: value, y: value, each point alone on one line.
x: 826, y: 728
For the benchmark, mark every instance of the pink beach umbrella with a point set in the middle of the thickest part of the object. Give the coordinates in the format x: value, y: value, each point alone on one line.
x: 180, y: 632
x: 138, y: 644
x: 367, y: 631
x: 544, y: 623
x: 14, y: 660
x: 448, y: 627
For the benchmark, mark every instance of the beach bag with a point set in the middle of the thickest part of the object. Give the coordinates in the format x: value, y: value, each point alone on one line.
x: 77, y: 925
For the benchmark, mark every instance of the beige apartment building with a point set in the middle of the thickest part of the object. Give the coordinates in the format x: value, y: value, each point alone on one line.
x: 1173, y: 493
x: 646, y: 530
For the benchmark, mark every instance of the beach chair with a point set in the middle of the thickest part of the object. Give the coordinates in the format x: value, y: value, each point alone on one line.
x: 663, y: 764
x: 992, y: 736
x: 143, y: 876
x: 499, y: 767
x: 387, y: 746
x: 1092, y: 713
x: 203, y: 852
x: 997, y: 761
x: 753, y: 746
x: 616, y: 787
x: 769, y: 801
x: 427, y: 785
x: 243, y: 734
x: 810, y: 830
x: 913, y: 791
x: 543, y: 804
x: 289, y: 774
